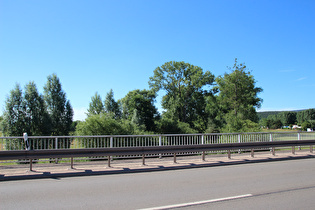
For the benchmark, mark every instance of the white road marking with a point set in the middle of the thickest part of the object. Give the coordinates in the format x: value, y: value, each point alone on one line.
x: 199, y: 202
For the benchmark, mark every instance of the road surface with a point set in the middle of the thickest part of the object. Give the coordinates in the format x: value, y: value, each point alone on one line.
x: 270, y: 185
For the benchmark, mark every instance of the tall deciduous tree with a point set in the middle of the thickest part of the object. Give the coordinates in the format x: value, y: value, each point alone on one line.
x: 96, y: 105
x: 238, y: 96
x: 36, y: 116
x: 111, y: 106
x: 14, y: 114
x: 186, y: 86
x: 59, y: 108
x: 138, y: 106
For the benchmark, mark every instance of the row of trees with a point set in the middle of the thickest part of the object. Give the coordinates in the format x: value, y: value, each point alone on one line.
x: 194, y: 101
x: 305, y: 118
x: 37, y: 114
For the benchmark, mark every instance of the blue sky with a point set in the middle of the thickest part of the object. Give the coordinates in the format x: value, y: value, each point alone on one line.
x: 94, y: 46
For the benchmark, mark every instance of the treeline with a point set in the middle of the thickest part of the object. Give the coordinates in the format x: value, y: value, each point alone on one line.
x: 195, y: 101
x: 304, y: 118
x: 36, y: 114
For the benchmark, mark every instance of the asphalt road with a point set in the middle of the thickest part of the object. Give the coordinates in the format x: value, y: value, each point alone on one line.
x: 270, y: 185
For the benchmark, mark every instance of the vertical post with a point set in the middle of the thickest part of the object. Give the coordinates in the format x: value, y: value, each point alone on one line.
x: 203, y: 152
x: 71, y: 162
x: 239, y: 141
x: 143, y: 159
x: 272, y: 150
x: 31, y: 164
x: 293, y: 150
x: 111, y: 142
x: 252, y: 153
x: 108, y: 162
x: 111, y: 145
x: 229, y: 154
x: 299, y: 138
x: 311, y: 148
x: 160, y: 144
x: 175, y: 158
x: 56, y: 147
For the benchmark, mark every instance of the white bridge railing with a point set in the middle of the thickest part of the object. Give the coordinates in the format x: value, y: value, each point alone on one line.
x: 113, y: 141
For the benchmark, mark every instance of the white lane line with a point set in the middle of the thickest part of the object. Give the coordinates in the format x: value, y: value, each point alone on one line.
x: 199, y: 202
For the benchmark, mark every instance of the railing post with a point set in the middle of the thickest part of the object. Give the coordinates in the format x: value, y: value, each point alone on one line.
x: 252, y: 153
x: 160, y: 144
x: 299, y: 138
x: 56, y: 147
x: 71, y: 159
x: 239, y: 141
x: 311, y: 148
x: 175, y: 158
x: 203, y: 152
x: 111, y: 142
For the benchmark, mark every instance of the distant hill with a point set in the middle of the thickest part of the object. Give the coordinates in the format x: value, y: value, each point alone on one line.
x: 262, y: 115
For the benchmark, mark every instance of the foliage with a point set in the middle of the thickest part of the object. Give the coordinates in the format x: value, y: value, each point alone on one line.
x: 186, y: 87
x: 37, y: 120
x: 237, y: 92
x: 14, y: 115
x: 138, y: 106
x: 111, y: 106
x: 96, y: 105
x: 59, y: 108
x: 170, y: 126
x: 237, y: 99
x: 305, y: 115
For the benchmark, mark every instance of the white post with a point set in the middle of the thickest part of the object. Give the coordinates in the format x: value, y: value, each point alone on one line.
x: 160, y: 144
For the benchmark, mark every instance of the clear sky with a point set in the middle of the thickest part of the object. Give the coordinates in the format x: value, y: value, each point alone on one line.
x: 97, y: 45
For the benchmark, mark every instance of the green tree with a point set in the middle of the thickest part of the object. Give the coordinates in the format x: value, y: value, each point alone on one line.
x: 37, y: 121
x: 186, y: 87
x: 238, y: 95
x: 305, y: 115
x: 14, y: 115
x: 111, y: 106
x: 287, y: 118
x: 138, y: 106
x: 59, y: 108
x: 96, y: 105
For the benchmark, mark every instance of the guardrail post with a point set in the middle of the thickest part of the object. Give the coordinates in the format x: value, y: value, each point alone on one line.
x: 311, y: 148
x: 143, y: 159
x: 71, y: 160
x: 175, y: 157
x: 31, y: 164
x: 239, y: 141
x: 229, y: 154
x: 252, y: 153
x: 108, y: 162
x: 293, y: 150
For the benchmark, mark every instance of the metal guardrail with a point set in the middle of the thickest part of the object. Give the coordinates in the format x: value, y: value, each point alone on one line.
x: 143, y: 151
